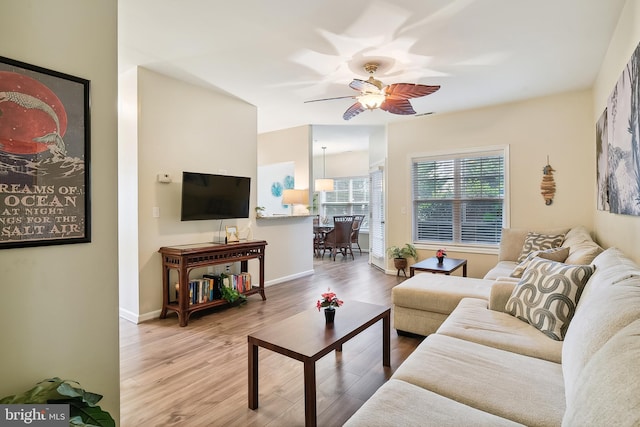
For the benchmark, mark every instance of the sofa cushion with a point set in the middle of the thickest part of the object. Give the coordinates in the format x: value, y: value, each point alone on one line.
x: 438, y: 293
x: 472, y: 321
x: 554, y: 254
x: 512, y: 241
x: 607, y: 391
x: 547, y: 295
x: 538, y: 242
x: 400, y: 403
x: 612, y: 266
x: 502, y: 269
x: 523, y: 389
x: 501, y: 291
x: 582, y: 247
x: 616, y: 281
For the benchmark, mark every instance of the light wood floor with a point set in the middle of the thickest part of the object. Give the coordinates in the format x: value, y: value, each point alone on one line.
x: 197, y: 375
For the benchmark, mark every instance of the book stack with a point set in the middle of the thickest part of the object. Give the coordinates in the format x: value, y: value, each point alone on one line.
x: 208, y: 288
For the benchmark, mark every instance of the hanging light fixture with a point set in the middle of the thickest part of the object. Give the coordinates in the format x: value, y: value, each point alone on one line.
x: 371, y: 101
x: 324, y: 184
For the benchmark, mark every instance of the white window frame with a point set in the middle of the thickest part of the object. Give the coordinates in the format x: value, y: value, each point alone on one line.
x: 350, y: 203
x: 460, y: 153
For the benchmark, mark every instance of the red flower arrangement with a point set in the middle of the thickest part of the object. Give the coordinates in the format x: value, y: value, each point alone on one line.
x: 329, y: 299
x: 441, y: 253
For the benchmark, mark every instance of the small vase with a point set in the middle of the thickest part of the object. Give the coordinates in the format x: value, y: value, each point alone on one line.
x: 329, y: 314
x: 440, y: 259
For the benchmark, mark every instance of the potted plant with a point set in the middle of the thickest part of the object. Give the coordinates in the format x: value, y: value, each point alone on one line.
x: 329, y: 301
x: 232, y: 296
x: 400, y: 255
x: 83, y: 407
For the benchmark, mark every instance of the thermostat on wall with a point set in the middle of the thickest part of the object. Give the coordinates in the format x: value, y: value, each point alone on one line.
x: 164, y: 178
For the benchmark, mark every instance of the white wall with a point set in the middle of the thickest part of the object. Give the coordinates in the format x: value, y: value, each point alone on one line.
x: 184, y: 127
x: 128, y: 194
x: 622, y: 231
x: 59, y: 305
x: 559, y: 126
x: 289, y: 253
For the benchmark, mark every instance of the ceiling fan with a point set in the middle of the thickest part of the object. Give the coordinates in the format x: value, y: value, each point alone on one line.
x: 393, y: 98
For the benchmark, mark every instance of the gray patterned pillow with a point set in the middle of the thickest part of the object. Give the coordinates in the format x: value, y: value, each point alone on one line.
x: 539, y: 242
x: 547, y: 295
x: 554, y: 254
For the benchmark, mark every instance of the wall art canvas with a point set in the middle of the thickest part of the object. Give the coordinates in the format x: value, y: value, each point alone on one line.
x: 602, y: 162
x: 273, y: 179
x: 623, y: 139
x: 44, y: 156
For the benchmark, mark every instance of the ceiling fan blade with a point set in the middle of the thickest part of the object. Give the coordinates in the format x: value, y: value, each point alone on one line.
x: 353, y: 111
x: 398, y: 106
x: 408, y: 90
x: 363, y: 86
x: 329, y: 99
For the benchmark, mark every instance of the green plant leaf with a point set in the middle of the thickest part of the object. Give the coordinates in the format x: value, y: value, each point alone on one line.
x: 66, y: 389
x: 40, y: 394
x: 92, y: 415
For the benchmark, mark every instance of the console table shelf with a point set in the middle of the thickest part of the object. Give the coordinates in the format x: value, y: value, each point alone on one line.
x: 185, y: 258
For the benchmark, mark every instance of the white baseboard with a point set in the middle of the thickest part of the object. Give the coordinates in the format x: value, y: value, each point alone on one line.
x: 138, y: 318
x: 287, y: 278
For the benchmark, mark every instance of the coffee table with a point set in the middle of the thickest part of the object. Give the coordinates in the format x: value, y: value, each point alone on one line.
x: 448, y: 266
x: 306, y: 337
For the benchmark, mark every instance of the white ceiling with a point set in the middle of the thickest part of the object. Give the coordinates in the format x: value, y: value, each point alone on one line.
x: 277, y: 54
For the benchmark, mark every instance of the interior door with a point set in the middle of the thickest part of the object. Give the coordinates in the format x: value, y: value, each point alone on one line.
x: 376, y: 218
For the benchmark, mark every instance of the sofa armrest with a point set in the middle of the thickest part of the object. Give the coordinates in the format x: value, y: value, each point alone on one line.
x: 501, y: 292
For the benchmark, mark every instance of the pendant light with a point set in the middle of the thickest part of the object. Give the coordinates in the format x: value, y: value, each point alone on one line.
x: 324, y: 184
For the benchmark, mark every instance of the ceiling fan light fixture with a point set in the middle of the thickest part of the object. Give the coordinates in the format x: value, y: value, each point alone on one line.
x: 371, y: 100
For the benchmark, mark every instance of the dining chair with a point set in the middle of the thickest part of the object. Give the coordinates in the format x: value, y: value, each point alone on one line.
x: 355, y: 231
x: 339, y: 239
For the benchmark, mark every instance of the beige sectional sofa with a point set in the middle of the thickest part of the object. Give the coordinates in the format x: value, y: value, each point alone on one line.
x: 481, y: 365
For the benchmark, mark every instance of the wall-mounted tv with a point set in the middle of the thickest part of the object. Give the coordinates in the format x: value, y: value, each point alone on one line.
x: 207, y: 196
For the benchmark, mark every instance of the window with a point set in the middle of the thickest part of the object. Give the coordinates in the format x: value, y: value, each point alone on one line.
x: 459, y: 199
x: 350, y: 196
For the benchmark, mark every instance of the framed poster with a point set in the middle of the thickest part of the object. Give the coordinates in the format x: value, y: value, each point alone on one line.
x: 44, y: 157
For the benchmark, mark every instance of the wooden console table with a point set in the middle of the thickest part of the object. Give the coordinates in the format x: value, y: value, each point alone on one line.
x: 185, y: 258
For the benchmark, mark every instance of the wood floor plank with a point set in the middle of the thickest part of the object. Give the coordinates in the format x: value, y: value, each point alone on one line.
x: 197, y: 375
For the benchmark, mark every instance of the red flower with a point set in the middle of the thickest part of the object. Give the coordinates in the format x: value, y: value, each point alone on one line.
x: 329, y: 299
x: 441, y: 253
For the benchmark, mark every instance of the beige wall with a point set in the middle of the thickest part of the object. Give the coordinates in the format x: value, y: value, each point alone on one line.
x: 59, y: 305
x: 199, y: 130
x: 288, y: 145
x: 344, y: 165
x: 290, y: 250
x: 559, y: 126
x: 622, y: 231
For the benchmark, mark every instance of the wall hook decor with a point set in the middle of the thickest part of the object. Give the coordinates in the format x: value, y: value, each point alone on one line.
x: 548, y: 185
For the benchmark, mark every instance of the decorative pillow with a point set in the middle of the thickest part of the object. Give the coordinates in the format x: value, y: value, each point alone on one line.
x: 547, y: 295
x: 539, y: 242
x: 553, y: 254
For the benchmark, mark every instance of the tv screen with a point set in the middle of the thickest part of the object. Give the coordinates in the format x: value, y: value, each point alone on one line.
x: 207, y: 196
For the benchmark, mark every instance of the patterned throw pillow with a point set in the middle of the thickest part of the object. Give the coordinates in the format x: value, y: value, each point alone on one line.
x: 539, y: 242
x: 553, y: 254
x: 547, y: 295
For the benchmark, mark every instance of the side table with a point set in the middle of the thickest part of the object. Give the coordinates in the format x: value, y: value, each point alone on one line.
x: 448, y: 266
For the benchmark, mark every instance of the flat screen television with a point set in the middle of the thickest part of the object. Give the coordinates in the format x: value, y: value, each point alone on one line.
x: 207, y: 196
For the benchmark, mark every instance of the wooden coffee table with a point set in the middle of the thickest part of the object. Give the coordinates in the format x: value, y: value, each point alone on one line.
x: 447, y: 267
x: 306, y: 337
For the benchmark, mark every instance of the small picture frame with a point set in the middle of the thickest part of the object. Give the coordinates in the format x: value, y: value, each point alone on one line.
x: 232, y: 234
